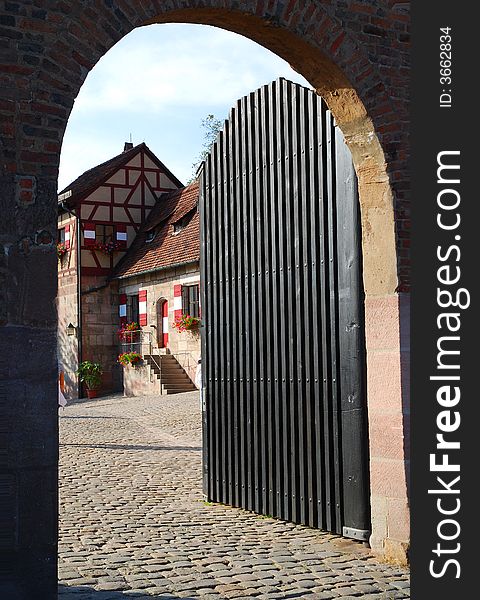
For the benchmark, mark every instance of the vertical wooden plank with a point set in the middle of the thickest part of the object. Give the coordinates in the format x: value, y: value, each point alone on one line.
x: 232, y: 399
x: 204, y: 285
x: 305, y: 209
x: 296, y: 289
x: 240, y: 433
x: 283, y: 222
x: 216, y: 330
x: 258, y: 274
x: 224, y: 322
x: 273, y: 196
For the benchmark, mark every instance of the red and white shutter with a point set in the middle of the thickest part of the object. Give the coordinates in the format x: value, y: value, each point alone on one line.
x: 165, y: 324
x: 67, y: 236
x: 121, y: 235
x: 122, y: 309
x: 142, y: 307
x: 89, y: 234
x: 177, y: 301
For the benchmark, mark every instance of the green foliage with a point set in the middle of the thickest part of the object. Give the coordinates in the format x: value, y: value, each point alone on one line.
x: 211, y: 126
x: 90, y: 374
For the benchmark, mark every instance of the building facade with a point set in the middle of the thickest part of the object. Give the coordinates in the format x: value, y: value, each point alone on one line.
x: 158, y: 283
x: 100, y: 215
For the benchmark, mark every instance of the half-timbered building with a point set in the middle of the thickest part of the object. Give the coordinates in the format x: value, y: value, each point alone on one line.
x: 100, y: 214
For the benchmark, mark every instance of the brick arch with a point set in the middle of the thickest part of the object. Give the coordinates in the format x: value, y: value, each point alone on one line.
x: 355, y: 53
x: 316, y: 42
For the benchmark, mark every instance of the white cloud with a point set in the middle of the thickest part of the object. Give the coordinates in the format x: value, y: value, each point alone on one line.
x: 167, y: 65
x: 158, y: 83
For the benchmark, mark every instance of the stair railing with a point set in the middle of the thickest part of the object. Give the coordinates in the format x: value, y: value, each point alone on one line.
x: 141, y: 341
x: 136, y: 340
x: 159, y: 367
x: 190, y: 361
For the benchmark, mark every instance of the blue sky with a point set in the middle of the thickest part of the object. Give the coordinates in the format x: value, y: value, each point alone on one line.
x: 157, y: 84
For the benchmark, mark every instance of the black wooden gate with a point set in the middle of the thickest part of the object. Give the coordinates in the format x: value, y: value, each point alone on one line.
x: 285, y: 430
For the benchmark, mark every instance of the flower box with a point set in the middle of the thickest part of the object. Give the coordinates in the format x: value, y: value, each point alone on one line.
x: 129, y: 358
x: 186, y: 323
x: 61, y: 250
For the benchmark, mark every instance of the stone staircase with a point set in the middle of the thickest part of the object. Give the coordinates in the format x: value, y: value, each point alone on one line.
x: 169, y: 372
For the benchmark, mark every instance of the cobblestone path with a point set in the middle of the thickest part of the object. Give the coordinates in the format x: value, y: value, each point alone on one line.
x: 133, y: 523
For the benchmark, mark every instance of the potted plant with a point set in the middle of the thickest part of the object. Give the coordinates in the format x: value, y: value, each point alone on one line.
x: 91, y: 375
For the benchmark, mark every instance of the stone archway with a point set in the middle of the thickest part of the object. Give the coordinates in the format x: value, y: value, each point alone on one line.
x: 356, y: 58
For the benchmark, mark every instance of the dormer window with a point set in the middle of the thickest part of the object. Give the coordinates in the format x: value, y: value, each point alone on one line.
x: 150, y: 236
x: 179, y: 226
x: 183, y: 222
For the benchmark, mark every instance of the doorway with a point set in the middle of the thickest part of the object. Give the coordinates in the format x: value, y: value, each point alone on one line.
x: 162, y: 323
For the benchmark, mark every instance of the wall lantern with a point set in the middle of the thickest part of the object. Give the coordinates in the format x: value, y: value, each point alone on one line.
x: 71, y: 329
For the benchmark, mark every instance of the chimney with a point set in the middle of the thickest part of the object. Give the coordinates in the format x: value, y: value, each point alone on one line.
x: 128, y: 146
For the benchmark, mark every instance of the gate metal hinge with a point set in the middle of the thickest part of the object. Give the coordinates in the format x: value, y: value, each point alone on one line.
x: 356, y: 534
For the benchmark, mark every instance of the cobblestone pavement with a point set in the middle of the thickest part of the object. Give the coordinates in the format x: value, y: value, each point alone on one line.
x: 133, y: 523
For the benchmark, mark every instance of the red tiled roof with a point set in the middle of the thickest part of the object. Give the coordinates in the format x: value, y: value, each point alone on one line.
x: 166, y: 248
x: 93, y: 178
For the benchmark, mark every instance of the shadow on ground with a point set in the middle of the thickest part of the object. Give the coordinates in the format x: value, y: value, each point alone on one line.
x: 83, y: 592
x: 91, y: 417
x: 134, y: 447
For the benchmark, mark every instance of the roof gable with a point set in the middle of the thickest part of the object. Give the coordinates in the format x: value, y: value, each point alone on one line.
x: 89, y: 181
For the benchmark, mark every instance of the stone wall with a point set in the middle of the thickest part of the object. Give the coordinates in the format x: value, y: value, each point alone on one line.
x: 140, y: 381
x: 99, y: 322
x: 100, y: 329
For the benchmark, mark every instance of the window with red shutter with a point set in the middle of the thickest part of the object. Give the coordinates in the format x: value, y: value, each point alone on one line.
x: 121, y: 235
x: 142, y: 307
x: 89, y: 235
x: 67, y: 236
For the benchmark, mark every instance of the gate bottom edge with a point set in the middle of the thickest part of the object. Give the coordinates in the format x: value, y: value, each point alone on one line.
x: 356, y: 534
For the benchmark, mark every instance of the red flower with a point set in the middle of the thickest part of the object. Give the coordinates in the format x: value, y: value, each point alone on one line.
x: 186, y: 323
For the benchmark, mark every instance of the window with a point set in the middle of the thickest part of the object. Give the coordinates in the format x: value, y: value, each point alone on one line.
x: 191, y: 300
x: 150, y: 236
x: 104, y: 234
x: 132, y: 309
x: 180, y: 225
x: 61, y: 236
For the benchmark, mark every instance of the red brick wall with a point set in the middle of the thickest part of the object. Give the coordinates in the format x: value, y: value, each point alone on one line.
x: 47, y: 51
